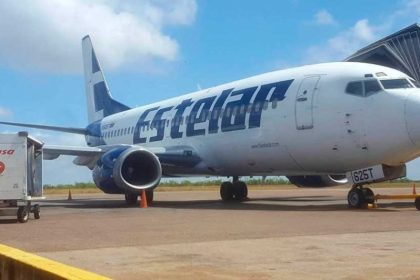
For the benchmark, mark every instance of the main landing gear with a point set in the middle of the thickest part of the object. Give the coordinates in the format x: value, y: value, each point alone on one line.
x: 132, y: 198
x: 236, y: 190
x: 359, y: 196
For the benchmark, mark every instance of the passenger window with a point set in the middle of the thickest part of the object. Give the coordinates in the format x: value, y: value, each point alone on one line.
x: 371, y: 87
x: 234, y: 110
x: 242, y: 109
x: 265, y: 106
x: 355, y: 88
x: 203, y: 115
x: 274, y: 104
x: 248, y: 108
x: 214, y: 114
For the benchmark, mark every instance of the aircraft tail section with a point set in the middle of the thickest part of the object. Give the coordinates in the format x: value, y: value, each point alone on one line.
x: 99, y: 100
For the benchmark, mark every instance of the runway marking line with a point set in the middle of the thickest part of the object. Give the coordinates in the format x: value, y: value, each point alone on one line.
x: 18, y: 262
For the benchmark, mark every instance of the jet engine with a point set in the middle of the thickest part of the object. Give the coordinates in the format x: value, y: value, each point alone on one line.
x: 316, y: 181
x: 127, y: 169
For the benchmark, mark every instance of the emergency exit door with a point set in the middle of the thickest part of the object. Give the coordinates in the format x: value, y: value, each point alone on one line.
x: 304, y: 103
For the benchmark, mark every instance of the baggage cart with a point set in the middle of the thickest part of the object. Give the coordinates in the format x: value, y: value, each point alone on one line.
x: 20, y: 175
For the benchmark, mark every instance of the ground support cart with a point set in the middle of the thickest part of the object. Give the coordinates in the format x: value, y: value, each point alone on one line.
x: 20, y: 175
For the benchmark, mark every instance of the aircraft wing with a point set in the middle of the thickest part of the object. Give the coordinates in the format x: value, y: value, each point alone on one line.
x: 49, y: 127
x: 53, y: 151
x: 184, y: 156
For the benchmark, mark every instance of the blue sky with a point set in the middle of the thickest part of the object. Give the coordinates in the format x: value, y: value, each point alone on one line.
x: 155, y: 49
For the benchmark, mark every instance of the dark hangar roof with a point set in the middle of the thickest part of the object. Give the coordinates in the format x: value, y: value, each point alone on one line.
x: 400, y: 50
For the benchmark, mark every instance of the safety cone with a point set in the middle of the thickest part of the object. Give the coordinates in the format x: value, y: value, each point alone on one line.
x: 69, y: 196
x: 414, y: 189
x: 143, y: 201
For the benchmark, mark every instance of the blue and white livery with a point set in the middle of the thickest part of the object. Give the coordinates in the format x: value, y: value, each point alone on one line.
x: 313, y: 124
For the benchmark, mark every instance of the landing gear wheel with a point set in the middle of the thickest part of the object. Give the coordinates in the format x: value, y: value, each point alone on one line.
x: 22, y: 214
x: 240, y: 190
x: 36, y: 210
x: 226, y: 191
x: 368, y: 195
x: 417, y: 203
x: 356, y: 198
x: 131, y: 198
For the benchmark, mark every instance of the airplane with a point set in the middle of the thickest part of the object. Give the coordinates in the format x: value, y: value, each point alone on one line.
x: 319, y: 125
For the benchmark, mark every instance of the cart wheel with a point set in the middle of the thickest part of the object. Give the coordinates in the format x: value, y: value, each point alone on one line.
x: 22, y: 214
x: 37, y: 210
x: 417, y: 203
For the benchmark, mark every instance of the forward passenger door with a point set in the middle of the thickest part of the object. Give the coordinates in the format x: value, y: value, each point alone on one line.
x: 304, y: 102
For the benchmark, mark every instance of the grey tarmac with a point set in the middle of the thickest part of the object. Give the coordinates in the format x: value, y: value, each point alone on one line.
x: 276, y: 234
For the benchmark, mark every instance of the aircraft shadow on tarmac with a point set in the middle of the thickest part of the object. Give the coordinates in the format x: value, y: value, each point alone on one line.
x: 8, y: 220
x: 291, y: 203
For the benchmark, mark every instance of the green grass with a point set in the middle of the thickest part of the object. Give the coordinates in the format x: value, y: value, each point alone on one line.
x: 212, y: 185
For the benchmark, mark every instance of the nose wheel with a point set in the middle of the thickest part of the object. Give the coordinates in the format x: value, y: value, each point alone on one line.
x: 236, y: 190
x: 359, y: 196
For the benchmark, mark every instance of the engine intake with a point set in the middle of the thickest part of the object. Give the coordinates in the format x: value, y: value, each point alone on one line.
x: 127, y: 169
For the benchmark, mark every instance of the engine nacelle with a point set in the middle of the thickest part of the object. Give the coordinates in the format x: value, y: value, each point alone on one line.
x: 318, y: 181
x: 127, y: 169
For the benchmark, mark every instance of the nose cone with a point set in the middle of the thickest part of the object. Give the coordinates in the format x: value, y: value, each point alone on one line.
x: 412, y: 117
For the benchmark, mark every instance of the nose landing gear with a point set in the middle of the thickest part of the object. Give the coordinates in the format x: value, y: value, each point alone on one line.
x: 359, y: 196
x: 237, y: 190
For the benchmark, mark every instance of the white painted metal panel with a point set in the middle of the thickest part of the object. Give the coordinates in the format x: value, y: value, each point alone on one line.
x: 304, y: 102
x: 13, y: 160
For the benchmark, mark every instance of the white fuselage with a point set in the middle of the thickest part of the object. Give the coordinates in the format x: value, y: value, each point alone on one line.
x: 308, y: 123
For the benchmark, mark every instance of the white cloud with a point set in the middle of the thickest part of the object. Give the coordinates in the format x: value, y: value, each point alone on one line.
x: 323, y: 17
x: 46, y: 34
x: 343, y: 44
x: 361, y: 33
x: 4, y: 112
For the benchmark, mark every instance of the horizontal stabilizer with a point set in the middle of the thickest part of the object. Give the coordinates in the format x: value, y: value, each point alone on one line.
x: 49, y: 127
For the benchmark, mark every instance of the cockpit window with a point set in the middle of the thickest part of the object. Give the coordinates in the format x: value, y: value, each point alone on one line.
x: 371, y: 87
x: 363, y: 88
x: 396, y: 83
x: 355, y: 88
